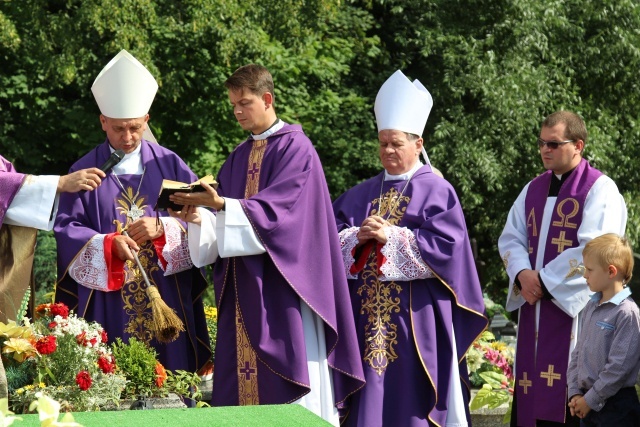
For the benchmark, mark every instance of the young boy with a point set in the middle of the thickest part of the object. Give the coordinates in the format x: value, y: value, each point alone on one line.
x: 605, y: 363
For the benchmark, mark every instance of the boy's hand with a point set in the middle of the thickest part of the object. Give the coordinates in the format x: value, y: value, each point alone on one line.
x: 572, y: 404
x: 581, y: 408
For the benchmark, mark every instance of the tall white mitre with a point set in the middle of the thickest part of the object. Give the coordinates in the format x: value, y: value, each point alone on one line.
x: 403, y: 105
x: 124, y: 89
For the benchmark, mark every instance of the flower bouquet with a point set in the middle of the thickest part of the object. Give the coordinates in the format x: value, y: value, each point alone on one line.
x: 61, y: 356
x: 490, y: 366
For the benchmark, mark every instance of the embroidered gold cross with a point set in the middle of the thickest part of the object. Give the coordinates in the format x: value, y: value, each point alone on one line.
x: 561, y: 242
x: 550, y: 376
x: 525, y: 383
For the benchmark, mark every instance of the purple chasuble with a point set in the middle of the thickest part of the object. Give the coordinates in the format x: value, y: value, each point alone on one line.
x: 127, y: 312
x: 290, y: 211
x: 10, y: 183
x: 541, y: 380
x: 404, y: 327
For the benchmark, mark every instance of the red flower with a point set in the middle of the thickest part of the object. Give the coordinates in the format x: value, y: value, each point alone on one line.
x: 60, y: 309
x: 83, y: 379
x: 106, y: 364
x: 81, y: 338
x: 103, y: 336
x: 46, y: 345
x: 52, y: 325
x: 161, y: 374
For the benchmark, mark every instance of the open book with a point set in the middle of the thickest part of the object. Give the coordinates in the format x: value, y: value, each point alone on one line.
x: 169, y: 187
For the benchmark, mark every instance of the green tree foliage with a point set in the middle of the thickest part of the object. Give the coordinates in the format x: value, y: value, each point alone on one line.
x: 495, y: 68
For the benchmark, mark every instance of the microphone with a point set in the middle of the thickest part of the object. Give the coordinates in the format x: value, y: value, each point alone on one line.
x: 115, y: 158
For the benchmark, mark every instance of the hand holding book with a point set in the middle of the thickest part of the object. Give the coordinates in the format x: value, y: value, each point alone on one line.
x: 174, y: 195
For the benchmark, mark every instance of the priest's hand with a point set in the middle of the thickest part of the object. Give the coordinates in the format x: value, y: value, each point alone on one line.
x: 373, y: 228
x: 145, y: 228
x: 209, y: 198
x: 123, y: 245
x: 187, y: 214
x: 531, y: 288
x: 84, y: 179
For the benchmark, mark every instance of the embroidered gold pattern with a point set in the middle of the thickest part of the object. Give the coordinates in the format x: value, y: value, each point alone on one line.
x: 550, y: 376
x: 247, y: 366
x: 531, y: 222
x: 525, y: 383
x: 390, y: 201
x: 505, y: 259
x: 575, y: 269
x: 245, y: 355
x: 561, y: 242
x: 564, y: 218
x: 381, y: 299
x: 255, y: 162
x: 133, y: 293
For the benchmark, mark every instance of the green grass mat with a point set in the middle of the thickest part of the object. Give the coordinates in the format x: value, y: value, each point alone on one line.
x: 249, y: 416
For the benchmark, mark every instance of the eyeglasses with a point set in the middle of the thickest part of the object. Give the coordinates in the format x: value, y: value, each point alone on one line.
x: 552, y: 144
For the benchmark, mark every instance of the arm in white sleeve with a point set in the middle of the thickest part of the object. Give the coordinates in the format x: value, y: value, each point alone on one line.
x: 203, y: 242
x: 403, y: 261
x: 176, y: 248
x: 604, y: 212
x: 514, y: 249
x: 236, y: 236
x: 89, y: 268
x: 348, y: 241
x: 35, y: 204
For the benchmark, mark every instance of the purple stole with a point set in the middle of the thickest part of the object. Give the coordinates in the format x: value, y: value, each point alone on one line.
x: 541, y: 383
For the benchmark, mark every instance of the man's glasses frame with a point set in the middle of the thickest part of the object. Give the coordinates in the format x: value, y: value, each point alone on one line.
x: 553, y: 144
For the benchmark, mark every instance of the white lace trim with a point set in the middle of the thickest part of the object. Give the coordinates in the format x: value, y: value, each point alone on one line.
x: 403, y: 261
x: 348, y: 241
x: 89, y: 268
x: 176, y: 248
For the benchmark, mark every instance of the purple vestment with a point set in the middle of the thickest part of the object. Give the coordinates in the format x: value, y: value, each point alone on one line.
x: 10, y: 183
x: 407, y: 347
x: 127, y: 312
x: 283, y: 192
x: 541, y: 381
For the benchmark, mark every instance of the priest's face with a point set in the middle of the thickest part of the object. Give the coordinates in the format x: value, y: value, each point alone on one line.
x: 564, y: 157
x: 254, y: 113
x: 124, y: 134
x: 397, y: 152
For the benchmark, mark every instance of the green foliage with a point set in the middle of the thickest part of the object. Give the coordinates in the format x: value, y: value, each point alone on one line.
x: 495, y: 68
x: 19, y: 375
x: 44, y: 266
x: 137, y: 362
x: 184, y: 384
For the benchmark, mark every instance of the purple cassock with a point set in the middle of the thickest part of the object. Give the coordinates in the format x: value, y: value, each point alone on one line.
x: 260, y: 353
x: 10, y: 183
x: 127, y: 312
x: 404, y: 327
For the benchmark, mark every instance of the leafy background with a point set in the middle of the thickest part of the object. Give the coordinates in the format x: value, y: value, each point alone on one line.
x: 495, y: 68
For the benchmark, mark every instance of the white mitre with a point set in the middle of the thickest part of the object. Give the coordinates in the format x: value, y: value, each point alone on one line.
x: 124, y: 89
x: 403, y: 105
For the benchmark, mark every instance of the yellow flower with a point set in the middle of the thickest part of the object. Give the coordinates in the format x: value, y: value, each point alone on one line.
x: 13, y: 330
x: 20, y: 347
x: 20, y: 391
x: 211, y: 313
x: 29, y: 387
x: 42, y: 385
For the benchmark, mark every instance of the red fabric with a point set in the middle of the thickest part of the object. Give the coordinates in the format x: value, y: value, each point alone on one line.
x: 159, y: 244
x: 359, y: 263
x: 115, y: 266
